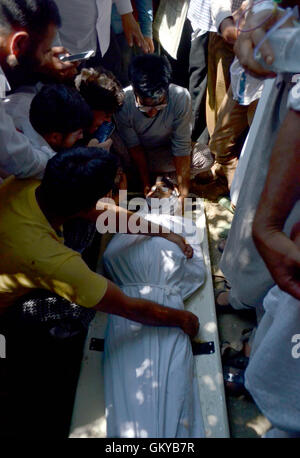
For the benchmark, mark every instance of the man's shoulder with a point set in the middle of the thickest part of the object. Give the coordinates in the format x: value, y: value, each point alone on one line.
x: 13, y: 186
x: 17, y: 204
x: 178, y: 91
x: 179, y: 98
x: 128, y: 108
x: 25, y: 228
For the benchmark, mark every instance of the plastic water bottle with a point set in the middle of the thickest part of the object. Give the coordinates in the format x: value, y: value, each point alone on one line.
x: 285, y: 43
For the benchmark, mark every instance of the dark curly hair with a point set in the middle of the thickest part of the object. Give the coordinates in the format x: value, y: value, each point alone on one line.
x: 101, y: 89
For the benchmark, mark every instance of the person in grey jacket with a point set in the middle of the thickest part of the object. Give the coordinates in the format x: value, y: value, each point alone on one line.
x: 155, y: 122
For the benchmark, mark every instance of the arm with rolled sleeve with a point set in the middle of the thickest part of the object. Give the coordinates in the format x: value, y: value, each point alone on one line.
x: 123, y: 6
x: 220, y: 10
x: 280, y: 194
x: 17, y: 156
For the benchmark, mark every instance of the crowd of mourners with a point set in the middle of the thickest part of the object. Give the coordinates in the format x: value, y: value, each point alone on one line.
x: 222, y: 119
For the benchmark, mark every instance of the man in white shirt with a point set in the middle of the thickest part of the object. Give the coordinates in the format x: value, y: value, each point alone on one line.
x: 86, y: 24
x: 27, y: 30
x: 271, y: 198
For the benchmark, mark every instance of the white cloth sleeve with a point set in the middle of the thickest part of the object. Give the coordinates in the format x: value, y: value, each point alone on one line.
x: 220, y: 11
x: 123, y: 6
x: 259, y: 6
x: 17, y: 156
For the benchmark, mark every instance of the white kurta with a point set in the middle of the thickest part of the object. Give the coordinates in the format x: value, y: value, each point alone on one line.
x: 150, y: 385
x: 17, y: 155
x: 273, y: 375
x: 86, y: 21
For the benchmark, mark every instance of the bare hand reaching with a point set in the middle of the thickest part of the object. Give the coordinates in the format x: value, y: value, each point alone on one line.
x: 256, y: 26
x: 150, y: 44
x: 133, y: 32
x: 228, y: 30
x: 59, y: 70
x: 104, y: 145
x: 282, y: 257
x: 190, y: 323
x: 179, y: 240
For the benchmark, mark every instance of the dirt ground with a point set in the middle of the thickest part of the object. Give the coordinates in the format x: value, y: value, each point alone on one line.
x: 244, y: 417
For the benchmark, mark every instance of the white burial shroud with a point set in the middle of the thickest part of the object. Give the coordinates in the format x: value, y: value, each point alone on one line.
x: 150, y: 385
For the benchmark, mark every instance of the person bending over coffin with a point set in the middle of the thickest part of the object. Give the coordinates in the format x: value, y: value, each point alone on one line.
x: 155, y: 123
x: 45, y: 287
x: 150, y: 386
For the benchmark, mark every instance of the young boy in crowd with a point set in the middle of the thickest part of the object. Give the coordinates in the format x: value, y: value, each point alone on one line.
x: 105, y: 96
x: 60, y: 115
x: 51, y: 117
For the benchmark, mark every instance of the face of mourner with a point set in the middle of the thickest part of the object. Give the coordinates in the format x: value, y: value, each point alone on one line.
x: 69, y: 140
x: 29, y: 53
x: 45, y: 46
x: 59, y: 141
x: 150, y: 107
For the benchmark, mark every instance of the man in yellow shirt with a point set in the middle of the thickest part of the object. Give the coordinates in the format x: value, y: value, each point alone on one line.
x: 32, y: 252
x: 34, y: 258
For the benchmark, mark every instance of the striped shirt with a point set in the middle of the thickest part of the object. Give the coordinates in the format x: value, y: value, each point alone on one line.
x: 205, y: 14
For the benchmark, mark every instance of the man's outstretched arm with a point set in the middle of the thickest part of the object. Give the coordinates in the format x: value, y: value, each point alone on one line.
x: 140, y: 225
x: 280, y: 193
x: 145, y: 311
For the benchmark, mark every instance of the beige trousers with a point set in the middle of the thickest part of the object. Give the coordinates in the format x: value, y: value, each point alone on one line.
x: 220, y: 57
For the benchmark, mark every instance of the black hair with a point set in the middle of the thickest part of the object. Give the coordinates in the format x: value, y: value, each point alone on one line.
x: 150, y: 75
x: 34, y: 16
x: 59, y: 108
x: 166, y: 181
x: 75, y: 179
x: 100, y: 89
